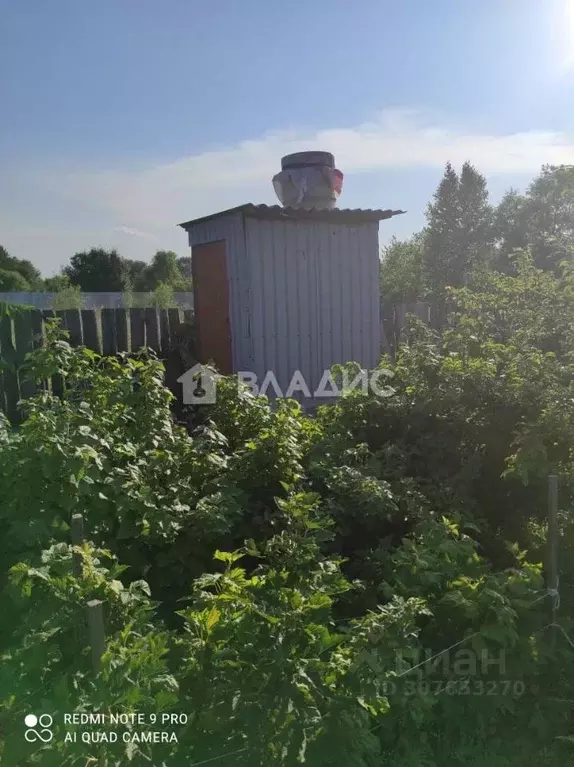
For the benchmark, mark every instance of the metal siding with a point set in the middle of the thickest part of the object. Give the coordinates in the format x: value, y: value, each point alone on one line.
x: 370, y: 258
x: 363, y: 301
x: 292, y: 312
x: 257, y: 298
x: 268, y: 274
x: 305, y: 294
x: 304, y: 308
x: 340, y: 293
x: 281, y: 306
x: 350, y: 256
x: 245, y: 348
x: 240, y: 276
x: 323, y: 333
x: 346, y: 304
x: 360, y: 304
x: 333, y: 287
x: 325, y: 298
x: 348, y: 295
x: 284, y: 292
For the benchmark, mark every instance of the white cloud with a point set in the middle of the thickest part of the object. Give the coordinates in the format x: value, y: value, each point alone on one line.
x: 133, y: 232
x: 198, y: 184
x: 149, y: 201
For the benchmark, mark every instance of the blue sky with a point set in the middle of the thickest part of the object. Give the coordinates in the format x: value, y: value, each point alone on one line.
x: 121, y: 118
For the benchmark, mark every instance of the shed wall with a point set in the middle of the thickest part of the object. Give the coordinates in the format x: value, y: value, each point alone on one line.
x: 314, y: 297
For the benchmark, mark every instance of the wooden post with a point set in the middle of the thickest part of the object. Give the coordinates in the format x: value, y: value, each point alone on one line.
x: 77, y: 540
x: 137, y: 329
x: 122, y: 332
x: 94, y: 608
x: 95, y: 615
x: 553, y: 542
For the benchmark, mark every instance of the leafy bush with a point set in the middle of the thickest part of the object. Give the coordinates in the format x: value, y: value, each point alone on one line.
x: 278, y: 577
x: 69, y: 297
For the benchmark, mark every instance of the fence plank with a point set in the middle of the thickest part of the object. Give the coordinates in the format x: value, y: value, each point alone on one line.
x: 423, y: 311
x: 9, y: 375
x: 175, y: 319
x: 137, y: 329
x: 61, y: 314
x: 90, y: 328
x: 56, y: 384
x: 553, y: 537
x: 23, y: 334
x: 73, y: 320
x: 109, y: 340
x: 152, y: 329
x: 38, y: 339
x: 122, y: 339
x: 37, y: 329
x: 164, y: 331
x: 96, y: 632
x: 48, y: 314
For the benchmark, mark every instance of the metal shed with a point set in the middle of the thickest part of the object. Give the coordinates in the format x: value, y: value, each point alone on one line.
x: 282, y: 290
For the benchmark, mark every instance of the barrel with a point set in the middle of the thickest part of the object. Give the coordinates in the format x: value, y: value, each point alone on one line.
x: 307, y: 160
x: 308, y: 180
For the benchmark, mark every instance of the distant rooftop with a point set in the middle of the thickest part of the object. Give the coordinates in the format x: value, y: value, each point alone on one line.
x: 278, y: 213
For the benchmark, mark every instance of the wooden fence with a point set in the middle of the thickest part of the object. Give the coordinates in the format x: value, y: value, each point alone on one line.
x: 105, y: 331
x: 393, y: 321
x: 108, y: 331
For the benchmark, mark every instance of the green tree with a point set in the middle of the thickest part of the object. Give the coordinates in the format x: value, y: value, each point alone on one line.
x: 401, y: 270
x: 541, y: 220
x: 164, y: 268
x: 97, y: 270
x: 163, y: 296
x: 134, y: 272
x: 510, y: 227
x: 13, y: 281
x: 458, y: 237
x: 57, y: 283
x: 26, y: 268
x: 184, y: 264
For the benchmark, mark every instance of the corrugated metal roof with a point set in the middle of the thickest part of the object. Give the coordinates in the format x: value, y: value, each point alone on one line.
x: 276, y: 212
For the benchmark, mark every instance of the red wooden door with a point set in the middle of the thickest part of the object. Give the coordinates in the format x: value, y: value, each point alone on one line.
x: 211, y: 304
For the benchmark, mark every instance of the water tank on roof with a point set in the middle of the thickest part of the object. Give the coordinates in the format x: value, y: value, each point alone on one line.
x: 308, y: 180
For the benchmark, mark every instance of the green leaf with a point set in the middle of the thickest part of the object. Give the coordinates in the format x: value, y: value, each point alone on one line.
x: 227, y: 556
x: 212, y: 618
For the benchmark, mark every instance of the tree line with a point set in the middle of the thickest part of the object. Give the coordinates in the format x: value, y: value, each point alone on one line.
x: 465, y: 234
x: 98, y: 270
